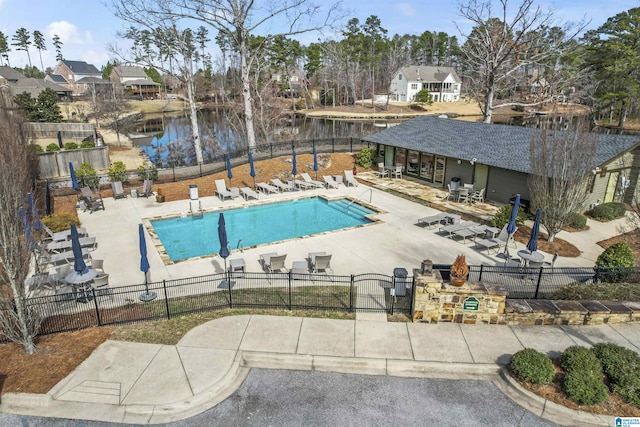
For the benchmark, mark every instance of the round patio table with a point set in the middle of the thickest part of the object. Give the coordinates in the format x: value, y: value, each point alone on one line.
x: 527, y: 256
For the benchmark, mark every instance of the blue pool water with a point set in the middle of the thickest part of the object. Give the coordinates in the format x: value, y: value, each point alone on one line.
x: 186, y: 237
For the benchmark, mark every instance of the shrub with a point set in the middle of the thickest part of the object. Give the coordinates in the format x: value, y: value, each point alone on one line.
x: 622, y: 366
x: 585, y: 389
x: 60, y: 221
x: 504, y: 214
x: 87, y: 144
x: 608, y: 211
x: 365, y: 157
x: 579, y: 221
x: 37, y: 148
x: 53, y: 147
x: 118, y: 172
x: 616, y: 255
x: 87, y: 176
x: 532, y: 366
x: 148, y: 172
x: 580, y: 359
x: 70, y: 146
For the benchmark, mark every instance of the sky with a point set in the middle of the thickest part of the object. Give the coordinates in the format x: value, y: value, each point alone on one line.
x: 87, y: 27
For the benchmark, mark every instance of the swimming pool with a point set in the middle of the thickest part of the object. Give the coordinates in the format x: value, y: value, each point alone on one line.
x: 187, y: 237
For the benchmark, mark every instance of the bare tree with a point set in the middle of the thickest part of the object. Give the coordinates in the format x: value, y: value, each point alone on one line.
x: 237, y: 20
x: 18, y: 321
x: 502, y: 47
x: 561, y: 166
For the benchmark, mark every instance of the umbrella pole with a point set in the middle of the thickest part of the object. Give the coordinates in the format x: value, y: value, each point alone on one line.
x: 147, y: 296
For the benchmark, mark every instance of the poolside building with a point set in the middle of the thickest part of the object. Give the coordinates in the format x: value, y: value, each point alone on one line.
x: 496, y: 157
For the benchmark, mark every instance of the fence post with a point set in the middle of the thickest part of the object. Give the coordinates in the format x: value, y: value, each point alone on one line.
x: 596, y: 277
x: 538, y: 284
x: 351, y: 144
x: 413, y: 292
x: 226, y: 274
x: 200, y: 164
x: 351, y: 294
x: 333, y: 145
x: 95, y: 302
x: 290, y: 278
x: 480, y: 275
x: 166, y: 299
x: 271, y: 149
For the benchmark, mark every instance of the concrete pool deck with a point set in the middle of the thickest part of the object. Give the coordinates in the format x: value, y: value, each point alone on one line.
x: 396, y: 241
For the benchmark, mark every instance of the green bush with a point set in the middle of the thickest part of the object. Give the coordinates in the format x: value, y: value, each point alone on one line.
x: 504, y: 214
x: 580, y: 359
x: 53, y: 147
x: 60, y: 221
x: 617, y: 255
x: 365, y: 157
x: 148, y: 172
x: 622, y: 366
x: 532, y: 366
x: 70, y: 146
x: 87, y: 176
x: 37, y: 148
x: 579, y: 221
x: 118, y: 172
x: 87, y: 144
x: 596, y: 291
x: 608, y: 211
x: 585, y: 389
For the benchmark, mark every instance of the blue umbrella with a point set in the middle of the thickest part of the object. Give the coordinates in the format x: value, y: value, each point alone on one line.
x: 224, y: 244
x: 74, y: 180
x: 294, y: 168
x: 535, y: 231
x: 511, y: 228
x: 252, y: 170
x: 229, y: 174
x: 34, y: 212
x: 315, y: 161
x: 144, y: 265
x: 27, y: 228
x: 79, y: 265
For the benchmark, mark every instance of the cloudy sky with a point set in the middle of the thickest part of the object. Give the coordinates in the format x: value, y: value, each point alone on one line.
x: 87, y: 27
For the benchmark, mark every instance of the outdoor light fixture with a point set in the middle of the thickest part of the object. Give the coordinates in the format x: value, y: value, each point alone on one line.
x: 459, y: 161
x: 473, y: 161
x: 596, y: 170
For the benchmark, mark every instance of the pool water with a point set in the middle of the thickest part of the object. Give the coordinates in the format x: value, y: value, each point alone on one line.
x: 187, y: 237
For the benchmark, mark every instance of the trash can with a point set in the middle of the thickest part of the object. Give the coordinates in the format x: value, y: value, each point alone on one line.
x: 455, y: 183
x: 193, y: 192
x: 524, y: 203
x: 400, y: 281
x: 134, y: 193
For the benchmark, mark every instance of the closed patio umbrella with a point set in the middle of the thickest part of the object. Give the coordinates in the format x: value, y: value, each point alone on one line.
x: 35, y: 219
x: 252, y: 170
x: 532, y: 245
x: 294, y: 168
x: 80, y: 274
x: 224, y: 244
x: 74, y: 180
x: 511, y: 227
x: 27, y: 228
x: 47, y: 198
x: 144, y: 265
x: 315, y: 161
x: 229, y: 173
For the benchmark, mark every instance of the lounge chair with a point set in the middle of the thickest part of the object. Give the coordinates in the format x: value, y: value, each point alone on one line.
x: 322, y: 263
x: 247, y: 193
x: 432, y: 220
x: 222, y: 192
x: 266, y: 188
x: 496, y: 242
x: 62, y: 235
x: 281, y: 185
x: 87, y: 194
x: 307, y: 179
x: 303, y: 185
x: 146, y: 188
x: 92, y: 201
x: 330, y: 182
x: 118, y: 190
x: 350, y: 179
x: 272, y: 262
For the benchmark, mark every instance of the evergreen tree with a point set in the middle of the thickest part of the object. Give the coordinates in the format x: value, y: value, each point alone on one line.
x: 39, y: 43
x: 22, y: 40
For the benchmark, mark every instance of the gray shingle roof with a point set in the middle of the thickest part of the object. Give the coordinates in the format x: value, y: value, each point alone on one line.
x: 81, y: 67
x: 502, y: 146
x: 141, y: 82
x: 10, y: 74
x: 130, y: 71
x: 96, y: 80
x: 57, y: 78
x: 427, y: 73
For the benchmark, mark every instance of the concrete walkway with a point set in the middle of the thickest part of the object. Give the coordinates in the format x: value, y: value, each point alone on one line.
x: 148, y: 384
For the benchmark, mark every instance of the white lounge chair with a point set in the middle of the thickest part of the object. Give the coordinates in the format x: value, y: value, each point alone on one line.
x: 281, y: 185
x: 222, y: 192
x: 330, y: 182
x: 303, y: 185
x: 350, y: 179
x: 266, y: 188
x: 432, y: 220
x: 248, y: 193
x: 62, y: 235
x: 322, y: 263
x: 307, y: 179
x: 272, y: 262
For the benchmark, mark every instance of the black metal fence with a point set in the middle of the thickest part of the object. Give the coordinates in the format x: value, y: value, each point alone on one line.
x: 292, y: 291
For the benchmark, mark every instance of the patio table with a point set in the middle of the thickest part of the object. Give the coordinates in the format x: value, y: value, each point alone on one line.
x: 527, y: 256
x: 464, y: 233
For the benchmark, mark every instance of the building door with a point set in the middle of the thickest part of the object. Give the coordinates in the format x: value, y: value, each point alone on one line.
x: 438, y: 176
x: 389, y: 155
x: 480, y: 176
x: 611, y: 187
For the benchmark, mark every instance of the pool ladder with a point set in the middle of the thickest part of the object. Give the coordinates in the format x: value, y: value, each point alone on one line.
x: 197, y: 214
x: 239, y: 246
x: 358, y: 198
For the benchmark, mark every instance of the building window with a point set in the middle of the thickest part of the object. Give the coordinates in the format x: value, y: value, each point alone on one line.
x: 399, y: 76
x: 414, y: 85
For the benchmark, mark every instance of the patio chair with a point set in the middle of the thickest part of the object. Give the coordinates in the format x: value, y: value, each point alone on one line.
x: 146, y: 188
x: 496, y: 242
x: 478, y: 196
x: 221, y: 190
x: 307, y: 179
x: 98, y: 265
x: 101, y: 286
x: 62, y: 235
x: 247, y: 193
x: 322, y: 263
x: 118, y: 190
x: 397, y: 172
x: 350, y: 179
x: 382, y: 172
x: 452, y: 194
x: 281, y: 185
x: 553, y: 261
x: 87, y: 194
x: 330, y: 182
x: 432, y: 220
x: 275, y: 263
x: 266, y: 188
x: 463, y: 195
x: 303, y: 185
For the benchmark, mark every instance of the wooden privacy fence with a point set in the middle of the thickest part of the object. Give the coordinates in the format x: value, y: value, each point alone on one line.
x: 56, y: 163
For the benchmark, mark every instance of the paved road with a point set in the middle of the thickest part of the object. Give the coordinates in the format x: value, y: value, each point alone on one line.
x: 309, y: 398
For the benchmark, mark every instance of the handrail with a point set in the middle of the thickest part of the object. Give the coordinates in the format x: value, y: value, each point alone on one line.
x: 240, y: 246
x: 370, y: 190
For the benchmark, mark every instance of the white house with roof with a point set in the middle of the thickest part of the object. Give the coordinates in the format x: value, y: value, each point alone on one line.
x: 443, y: 83
x: 134, y: 80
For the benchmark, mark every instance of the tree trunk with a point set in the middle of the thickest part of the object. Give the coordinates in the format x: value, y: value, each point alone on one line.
x: 195, y: 130
x: 488, y: 105
x: 246, y: 96
x: 623, y: 114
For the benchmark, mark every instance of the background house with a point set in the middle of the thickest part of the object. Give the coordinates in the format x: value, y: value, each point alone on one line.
x: 82, y: 78
x: 443, y: 83
x: 18, y: 83
x: 496, y: 157
x: 134, y: 81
